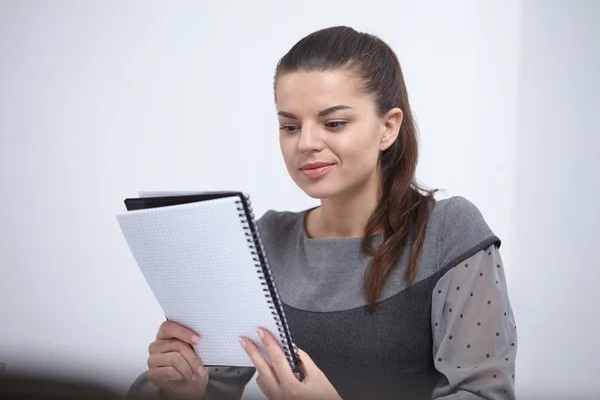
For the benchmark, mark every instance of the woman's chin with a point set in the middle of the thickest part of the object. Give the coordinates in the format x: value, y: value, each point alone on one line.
x: 324, y: 188
x: 319, y: 192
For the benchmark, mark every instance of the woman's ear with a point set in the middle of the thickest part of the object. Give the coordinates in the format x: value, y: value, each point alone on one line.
x: 392, y: 122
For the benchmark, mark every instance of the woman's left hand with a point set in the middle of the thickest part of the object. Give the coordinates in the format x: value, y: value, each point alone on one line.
x: 278, y: 382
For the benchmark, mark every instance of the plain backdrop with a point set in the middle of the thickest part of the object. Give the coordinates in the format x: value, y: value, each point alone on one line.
x: 101, y: 99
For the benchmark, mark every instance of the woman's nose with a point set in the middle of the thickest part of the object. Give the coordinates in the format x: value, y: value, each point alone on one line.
x: 310, y: 139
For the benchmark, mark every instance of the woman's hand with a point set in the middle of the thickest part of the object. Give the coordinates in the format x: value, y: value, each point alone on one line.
x: 174, y: 366
x: 278, y: 382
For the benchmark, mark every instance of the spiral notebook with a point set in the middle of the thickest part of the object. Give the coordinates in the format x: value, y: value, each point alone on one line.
x: 202, y: 256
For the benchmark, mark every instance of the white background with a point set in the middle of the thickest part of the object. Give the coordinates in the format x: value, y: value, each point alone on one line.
x: 101, y: 99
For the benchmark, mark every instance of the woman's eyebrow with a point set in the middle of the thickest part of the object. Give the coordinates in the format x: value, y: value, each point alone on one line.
x: 321, y: 113
x: 333, y: 109
x: 286, y: 114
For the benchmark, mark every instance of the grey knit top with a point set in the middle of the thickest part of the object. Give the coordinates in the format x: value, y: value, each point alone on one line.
x: 451, y: 335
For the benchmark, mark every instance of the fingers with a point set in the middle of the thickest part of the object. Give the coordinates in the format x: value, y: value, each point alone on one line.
x: 173, y: 330
x: 162, y: 375
x: 173, y: 359
x: 278, y: 359
x: 174, y: 345
x: 268, y: 377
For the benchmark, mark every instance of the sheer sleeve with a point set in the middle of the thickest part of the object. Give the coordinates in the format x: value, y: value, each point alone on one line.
x: 474, y: 331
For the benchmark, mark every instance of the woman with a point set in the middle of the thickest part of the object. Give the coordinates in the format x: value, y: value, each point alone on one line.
x: 389, y: 293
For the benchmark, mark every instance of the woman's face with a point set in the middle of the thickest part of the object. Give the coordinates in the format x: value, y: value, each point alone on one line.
x: 330, y: 132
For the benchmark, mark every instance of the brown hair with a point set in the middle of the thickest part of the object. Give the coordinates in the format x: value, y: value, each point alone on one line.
x: 404, y: 207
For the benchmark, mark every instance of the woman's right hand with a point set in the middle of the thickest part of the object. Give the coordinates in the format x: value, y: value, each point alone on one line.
x: 174, y: 366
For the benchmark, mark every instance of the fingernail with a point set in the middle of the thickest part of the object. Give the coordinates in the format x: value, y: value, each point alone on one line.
x: 260, y: 333
x: 243, y: 343
x: 193, y: 377
x: 195, y: 339
x: 201, y: 371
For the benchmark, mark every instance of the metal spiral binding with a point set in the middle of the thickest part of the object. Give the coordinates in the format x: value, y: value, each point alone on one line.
x: 265, y: 275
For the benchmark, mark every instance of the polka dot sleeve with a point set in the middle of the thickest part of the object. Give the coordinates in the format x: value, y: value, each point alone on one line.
x: 474, y: 331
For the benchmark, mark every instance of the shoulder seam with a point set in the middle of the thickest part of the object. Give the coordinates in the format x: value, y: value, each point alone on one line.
x: 492, y: 240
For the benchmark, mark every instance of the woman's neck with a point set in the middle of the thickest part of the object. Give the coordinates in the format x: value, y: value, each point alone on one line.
x: 344, y: 217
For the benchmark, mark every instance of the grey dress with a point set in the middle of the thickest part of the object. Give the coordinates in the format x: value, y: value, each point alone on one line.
x: 451, y: 335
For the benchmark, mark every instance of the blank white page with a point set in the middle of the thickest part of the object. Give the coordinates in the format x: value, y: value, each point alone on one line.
x: 197, y: 261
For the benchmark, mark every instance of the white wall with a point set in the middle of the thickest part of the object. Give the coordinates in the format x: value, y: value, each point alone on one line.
x: 556, y: 221
x: 101, y: 99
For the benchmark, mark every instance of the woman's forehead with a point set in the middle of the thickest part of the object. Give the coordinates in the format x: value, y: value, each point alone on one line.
x: 319, y: 90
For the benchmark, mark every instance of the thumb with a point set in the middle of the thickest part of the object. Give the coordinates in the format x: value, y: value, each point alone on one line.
x: 307, y: 365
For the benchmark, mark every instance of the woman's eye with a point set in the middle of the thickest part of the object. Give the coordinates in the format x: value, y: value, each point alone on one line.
x: 289, y: 128
x: 335, y: 124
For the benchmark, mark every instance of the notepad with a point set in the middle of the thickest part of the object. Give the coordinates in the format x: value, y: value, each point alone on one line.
x: 202, y: 256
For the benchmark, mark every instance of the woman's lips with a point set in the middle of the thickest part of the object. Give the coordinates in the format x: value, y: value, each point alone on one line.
x: 316, y: 170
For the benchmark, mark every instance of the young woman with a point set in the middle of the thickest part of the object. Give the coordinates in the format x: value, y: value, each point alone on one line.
x: 389, y: 292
